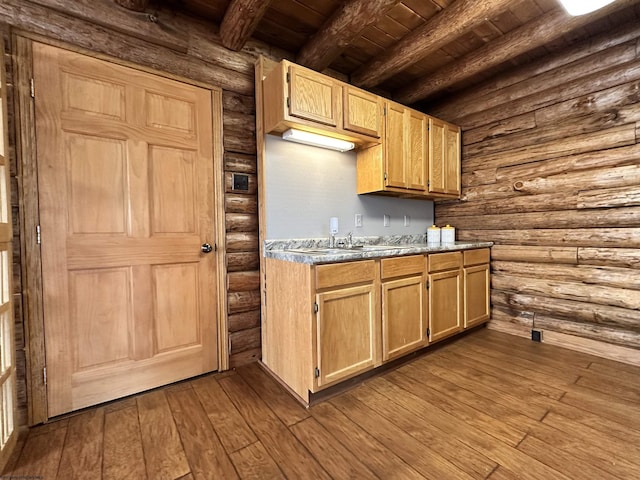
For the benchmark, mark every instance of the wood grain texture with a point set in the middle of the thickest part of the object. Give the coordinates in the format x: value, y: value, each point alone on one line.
x: 123, y: 456
x: 240, y: 20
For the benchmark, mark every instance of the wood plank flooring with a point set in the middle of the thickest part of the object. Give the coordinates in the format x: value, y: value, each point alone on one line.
x: 486, y: 406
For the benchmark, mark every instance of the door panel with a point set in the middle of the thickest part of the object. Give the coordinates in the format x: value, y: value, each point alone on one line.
x: 395, y: 157
x: 125, y: 173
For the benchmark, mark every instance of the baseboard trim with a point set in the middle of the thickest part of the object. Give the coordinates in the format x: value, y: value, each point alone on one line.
x: 609, y: 351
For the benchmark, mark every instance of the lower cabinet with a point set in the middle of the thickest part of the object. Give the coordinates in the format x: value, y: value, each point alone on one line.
x: 404, y: 314
x: 346, y: 323
x: 476, y: 287
x: 445, y: 295
x: 327, y: 323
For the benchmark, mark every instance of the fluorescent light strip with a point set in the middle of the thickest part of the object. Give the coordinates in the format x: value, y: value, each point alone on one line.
x: 582, y: 7
x: 316, y: 140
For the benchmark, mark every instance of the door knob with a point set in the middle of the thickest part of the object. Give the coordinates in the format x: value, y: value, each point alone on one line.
x: 206, y: 248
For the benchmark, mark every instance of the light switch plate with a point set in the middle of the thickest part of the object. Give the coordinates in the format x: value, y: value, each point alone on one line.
x: 386, y: 220
x: 407, y: 221
x: 358, y: 221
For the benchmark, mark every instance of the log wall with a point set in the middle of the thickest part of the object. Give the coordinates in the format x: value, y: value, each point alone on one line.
x: 184, y: 47
x: 551, y: 174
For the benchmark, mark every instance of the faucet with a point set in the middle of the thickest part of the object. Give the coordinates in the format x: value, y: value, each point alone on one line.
x: 332, y: 240
x: 349, y: 240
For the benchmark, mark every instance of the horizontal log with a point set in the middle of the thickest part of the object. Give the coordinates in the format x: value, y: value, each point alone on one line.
x: 241, y: 222
x: 499, y: 128
x: 238, y: 302
x: 245, y: 340
x: 454, y: 108
x: 543, y: 254
x: 575, y: 291
x: 239, y: 162
x: 503, y: 202
x: 478, y: 177
x: 243, y: 358
x: 234, y: 102
x: 589, y: 275
x: 240, y: 203
x: 244, y: 321
x: 588, y: 142
x: 620, y: 217
x: 613, y: 157
x: 242, y: 262
x: 162, y: 31
x: 243, y: 281
x: 616, y: 257
x: 240, y: 20
x: 611, y: 100
x: 601, y: 333
x: 44, y: 21
x: 567, y: 309
x: 619, y: 74
x: 582, y: 180
x: 239, y: 142
x: 239, y: 122
x: 253, y: 184
x: 609, y: 197
x: 579, y: 237
x: 501, y: 313
x: 242, y: 242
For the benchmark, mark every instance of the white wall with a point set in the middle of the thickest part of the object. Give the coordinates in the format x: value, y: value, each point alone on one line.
x: 305, y: 186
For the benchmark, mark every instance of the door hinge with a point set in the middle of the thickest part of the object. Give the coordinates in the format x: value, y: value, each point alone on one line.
x: 427, y: 285
x: 215, y: 247
x: 44, y: 375
x: 288, y: 77
x: 32, y: 88
x: 38, y: 235
x: 316, y: 372
x: 315, y: 308
x: 385, y: 176
x: 288, y: 103
x: 428, y: 333
x: 384, y: 111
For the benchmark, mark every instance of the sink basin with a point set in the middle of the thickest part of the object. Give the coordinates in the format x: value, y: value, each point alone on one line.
x: 355, y: 248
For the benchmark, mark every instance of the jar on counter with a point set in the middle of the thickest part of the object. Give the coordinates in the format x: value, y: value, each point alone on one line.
x: 448, y: 234
x: 433, y: 234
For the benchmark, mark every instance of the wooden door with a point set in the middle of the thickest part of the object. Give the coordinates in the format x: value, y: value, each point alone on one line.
x: 476, y: 295
x: 346, y: 333
x: 417, y: 148
x: 395, y: 146
x: 8, y: 432
x: 362, y: 111
x: 313, y: 96
x: 445, y: 304
x: 125, y: 174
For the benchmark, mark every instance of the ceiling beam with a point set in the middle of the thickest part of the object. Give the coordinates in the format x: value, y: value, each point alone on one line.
x: 536, y: 33
x: 240, y: 20
x: 136, y: 5
x: 447, y: 25
x: 344, y: 25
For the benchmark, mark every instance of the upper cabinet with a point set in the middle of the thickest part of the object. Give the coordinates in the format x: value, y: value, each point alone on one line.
x: 444, y: 158
x: 297, y: 97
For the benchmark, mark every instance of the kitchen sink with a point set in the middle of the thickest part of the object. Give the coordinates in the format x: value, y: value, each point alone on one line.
x: 355, y: 248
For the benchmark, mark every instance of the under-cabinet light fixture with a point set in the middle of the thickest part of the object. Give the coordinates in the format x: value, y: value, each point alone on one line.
x: 316, y: 140
x: 582, y: 7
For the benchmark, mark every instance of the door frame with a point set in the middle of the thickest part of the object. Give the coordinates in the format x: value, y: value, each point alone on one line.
x: 31, y: 262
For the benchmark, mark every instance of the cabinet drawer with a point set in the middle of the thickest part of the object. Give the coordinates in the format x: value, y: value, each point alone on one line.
x: 445, y: 261
x: 345, y: 274
x: 401, y: 266
x: 476, y: 257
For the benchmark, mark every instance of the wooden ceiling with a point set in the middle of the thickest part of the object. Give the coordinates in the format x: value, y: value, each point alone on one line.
x: 413, y: 50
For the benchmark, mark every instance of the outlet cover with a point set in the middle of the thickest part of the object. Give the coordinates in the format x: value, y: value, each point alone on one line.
x: 358, y: 221
x: 407, y: 220
x: 386, y: 220
x: 536, y: 335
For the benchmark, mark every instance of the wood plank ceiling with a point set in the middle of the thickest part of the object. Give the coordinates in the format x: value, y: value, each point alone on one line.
x: 415, y: 51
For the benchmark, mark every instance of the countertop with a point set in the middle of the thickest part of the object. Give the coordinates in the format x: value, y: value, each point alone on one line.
x: 316, y: 254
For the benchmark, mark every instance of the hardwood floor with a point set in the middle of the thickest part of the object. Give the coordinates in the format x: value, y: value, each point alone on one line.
x: 488, y: 405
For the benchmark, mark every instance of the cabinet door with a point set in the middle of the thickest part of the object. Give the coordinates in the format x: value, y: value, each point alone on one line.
x: 416, y: 156
x: 362, y: 111
x: 451, y: 166
x: 404, y: 326
x: 313, y: 96
x: 476, y: 295
x: 436, y: 156
x: 346, y: 333
x: 445, y: 304
x: 395, y: 146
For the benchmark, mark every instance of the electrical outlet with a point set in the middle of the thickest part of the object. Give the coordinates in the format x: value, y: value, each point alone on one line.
x: 407, y: 221
x: 358, y: 221
x: 386, y: 220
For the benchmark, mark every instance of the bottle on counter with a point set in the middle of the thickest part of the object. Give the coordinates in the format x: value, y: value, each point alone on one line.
x: 433, y: 234
x: 448, y: 234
